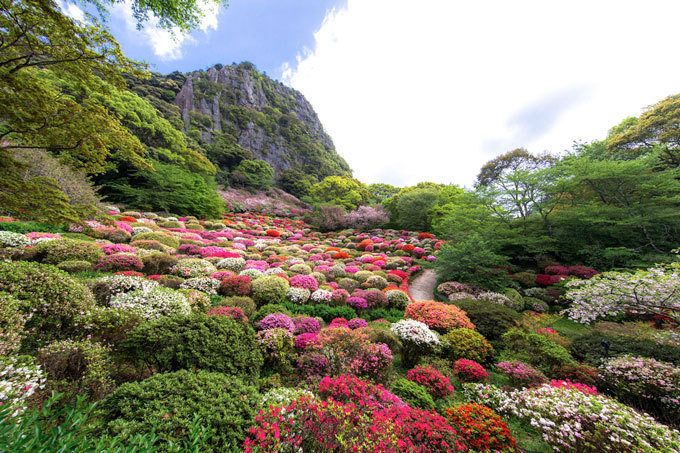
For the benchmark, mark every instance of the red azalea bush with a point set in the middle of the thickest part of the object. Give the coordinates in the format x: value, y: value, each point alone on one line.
x: 273, y: 233
x: 566, y: 383
x: 230, y: 312
x: 363, y: 394
x: 236, y: 285
x: 582, y: 272
x: 556, y: 270
x: 438, y: 385
x: 549, y: 280
x: 438, y: 316
x: 422, y: 236
x: 481, y: 428
x: 119, y: 262
x: 469, y: 371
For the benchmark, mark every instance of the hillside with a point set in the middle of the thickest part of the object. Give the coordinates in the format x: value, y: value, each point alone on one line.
x: 234, y: 112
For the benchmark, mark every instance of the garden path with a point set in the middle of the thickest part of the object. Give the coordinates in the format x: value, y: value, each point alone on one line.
x: 422, y: 287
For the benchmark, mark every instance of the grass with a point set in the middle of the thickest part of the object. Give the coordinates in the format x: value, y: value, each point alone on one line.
x: 569, y: 328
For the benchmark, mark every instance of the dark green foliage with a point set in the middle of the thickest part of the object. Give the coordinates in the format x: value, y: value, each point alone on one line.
x: 326, y: 312
x: 244, y: 303
x: 197, y: 341
x: 59, y: 427
x: 52, y: 297
x: 167, y: 188
x: 588, y: 348
x: 413, y: 393
x: 258, y: 173
x: 29, y: 227
x: 535, y: 350
x: 491, y: 320
x: 473, y: 261
x: 167, y: 403
x: 158, y: 263
x: 295, y: 182
x: 392, y: 315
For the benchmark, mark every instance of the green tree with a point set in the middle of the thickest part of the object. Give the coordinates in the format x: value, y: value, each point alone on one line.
x: 413, y: 209
x: 382, y: 192
x: 473, y: 260
x: 258, y: 173
x: 296, y: 182
x: 344, y: 191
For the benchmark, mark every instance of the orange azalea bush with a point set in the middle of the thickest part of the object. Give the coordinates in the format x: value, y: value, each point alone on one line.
x: 438, y: 316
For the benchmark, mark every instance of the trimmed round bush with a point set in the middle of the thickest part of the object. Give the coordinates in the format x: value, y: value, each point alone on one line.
x: 414, y: 394
x: 277, y: 321
x: 158, y: 263
x: 153, y: 303
x: 49, y: 295
x: 59, y: 250
x: 244, y: 303
x: 167, y: 403
x: 75, y: 266
x: 468, y: 344
x: 197, y: 341
x: 11, y: 239
x: 481, y: 428
x: 397, y: 298
x: 236, y: 285
x: 193, y: 267
x: 163, y: 238
x: 269, y: 290
x: 119, y: 262
x: 491, y: 320
x: 231, y: 264
x: 438, y: 316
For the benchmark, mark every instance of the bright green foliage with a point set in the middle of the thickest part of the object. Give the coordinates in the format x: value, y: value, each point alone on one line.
x: 656, y: 131
x: 473, y: 261
x: 468, y: 344
x: 197, y: 341
x: 167, y: 403
x: 50, y: 295
x: 344, y: 191
x: 536, y: 350
x: 59, y: 250
x: 12, y: 322
x: 296, y: 182
x: 258, y: 173
x: 410, y: 207
x: 269, y: 290
x: 167, y: 189
x: 163, y: 238
x: 414, y: 394
x: 382, y: 192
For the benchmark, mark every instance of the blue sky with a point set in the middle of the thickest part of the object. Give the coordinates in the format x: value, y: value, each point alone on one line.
x: 266, y: 32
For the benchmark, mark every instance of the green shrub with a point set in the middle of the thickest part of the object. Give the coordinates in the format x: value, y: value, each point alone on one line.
x: 269, y: 289
x: 163, y: 238
x: 491, y: 320
x: 167, y: 403
x: 588, y: 348
x: 413, y: 393
x: 258, y: 173
x: 329, y: 313
x: 12, y: 323
x: 516, y: 298
x: 392, y: 315
x: 158, y: 263
x: 30, y: 227
x: 50, y: 295
x: 77, y: 368
x: 75, y: 266
x: 170, y: 281
x: 534, y: 304
x: 244, y: 303
x: 197, y: 341
x: 468, y: 344
x: 379, y: 332
x: 60, y: 250
x: 536, y: 350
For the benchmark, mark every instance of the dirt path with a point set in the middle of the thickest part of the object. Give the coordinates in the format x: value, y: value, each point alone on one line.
x: 422, y: 288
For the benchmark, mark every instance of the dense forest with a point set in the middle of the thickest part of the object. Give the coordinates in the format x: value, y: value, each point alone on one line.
x: 188, y: 264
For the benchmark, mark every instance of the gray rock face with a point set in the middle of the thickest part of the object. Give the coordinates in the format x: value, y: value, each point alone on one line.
x: 274, y: 122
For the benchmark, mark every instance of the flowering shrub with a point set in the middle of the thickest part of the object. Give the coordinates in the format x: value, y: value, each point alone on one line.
x: 468, y: 344
x: 304, y: 281
x: 417, y: 340
x: 112, y: 249
x: 437, y: 385
x: 357, y: 323
x: 438, y: 316
x: 397, y: 298
x: 276, y: 345
x: 358, y: 303
x: 481, y: 428
x: 153, y: 303
x: 193, y: 267
x: 303, y: 340
x: 119, y: 262
x: 583, y: 388
x: 521, y: 374
x: 277, y: 321
x: 270, y: 289
x: 10, y: 239
x: 11, y: 324
x: 204, y: 284
x: 645, y: 382
x: 282, y: 397
x: 469, y: 371
x: 321, y: 296
x: 235, y: 285
x: 297, y: 295
x: 20, y: 378
x: 230, y: 312
x: 652, y: 292
x: 305, y: 324
x: 351, y: 389
x: 110, y: 286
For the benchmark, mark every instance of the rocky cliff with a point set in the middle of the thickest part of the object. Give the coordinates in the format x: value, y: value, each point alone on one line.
x: 237, y: 111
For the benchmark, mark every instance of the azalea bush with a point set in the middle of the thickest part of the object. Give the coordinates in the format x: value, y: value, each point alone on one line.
x: 153, y: 303
x: 469, y: 371
x: 417, y: 338
x: 521, y: 374
x: 20, y: 378
x: 468, y: 344
x: 438, y: 316
x: 12, y: 322
x: 481, y: 428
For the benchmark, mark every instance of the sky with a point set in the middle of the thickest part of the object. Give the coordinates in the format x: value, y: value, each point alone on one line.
x: 431, y: 90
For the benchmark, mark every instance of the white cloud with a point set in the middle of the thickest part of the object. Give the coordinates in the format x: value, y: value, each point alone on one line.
x: 430, y: 90
x: 168, y: 45
x: 72, y: 11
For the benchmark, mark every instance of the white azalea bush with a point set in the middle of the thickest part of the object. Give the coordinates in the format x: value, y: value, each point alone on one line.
x: 282, y: 397
x: 153, y: 303
x: 570, y: 420
x: 109, y: 287
x: 207, y: 285
x: 417, y: 339
x: 20, y: 378
x: 232, y: 264
x: 297, y: 295
x: 11, y: 239
x: 321, y: 296
x: 649, y: 292
x: 193, y: 267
